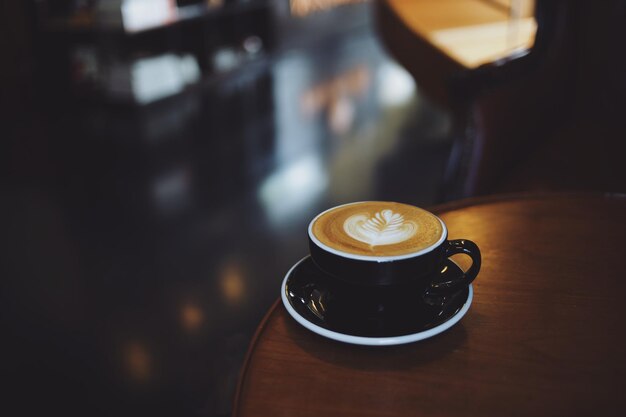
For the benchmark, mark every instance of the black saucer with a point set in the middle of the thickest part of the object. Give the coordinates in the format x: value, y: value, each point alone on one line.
x: 371, y: 316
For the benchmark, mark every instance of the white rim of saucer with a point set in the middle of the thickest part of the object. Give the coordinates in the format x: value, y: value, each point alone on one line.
x: 372, y: 341
x: 444, y: 235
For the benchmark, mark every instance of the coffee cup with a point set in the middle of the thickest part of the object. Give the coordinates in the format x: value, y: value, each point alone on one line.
x: 384, y: 244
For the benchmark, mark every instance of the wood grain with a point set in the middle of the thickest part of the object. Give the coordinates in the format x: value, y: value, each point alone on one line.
x: 545, y: 335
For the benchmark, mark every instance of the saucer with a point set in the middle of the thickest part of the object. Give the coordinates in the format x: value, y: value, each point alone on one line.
x: 370, y: 316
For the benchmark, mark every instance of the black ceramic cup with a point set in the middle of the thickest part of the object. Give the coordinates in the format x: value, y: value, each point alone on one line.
x: 423, y: 269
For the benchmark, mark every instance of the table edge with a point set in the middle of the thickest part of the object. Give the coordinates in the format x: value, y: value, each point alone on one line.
x: 246, y: 361
x: 530, y: 195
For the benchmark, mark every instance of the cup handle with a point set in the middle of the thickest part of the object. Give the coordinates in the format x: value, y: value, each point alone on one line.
x: 454, y: 247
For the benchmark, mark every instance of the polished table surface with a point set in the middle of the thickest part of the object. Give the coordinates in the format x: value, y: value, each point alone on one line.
x: 545, y: 334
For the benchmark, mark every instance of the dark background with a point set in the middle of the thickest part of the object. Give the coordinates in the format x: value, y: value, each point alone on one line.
x: 142, y: 244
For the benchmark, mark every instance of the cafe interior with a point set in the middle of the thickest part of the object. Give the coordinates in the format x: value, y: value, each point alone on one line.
x: 162, y: 159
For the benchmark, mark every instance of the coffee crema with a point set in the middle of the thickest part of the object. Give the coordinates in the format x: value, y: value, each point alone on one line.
x: 377, y: 228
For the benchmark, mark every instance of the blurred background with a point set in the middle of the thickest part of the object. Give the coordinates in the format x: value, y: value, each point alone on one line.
x: 161, y: 160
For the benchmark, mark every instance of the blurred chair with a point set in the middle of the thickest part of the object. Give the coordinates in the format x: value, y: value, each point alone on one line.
x: 542, y: 112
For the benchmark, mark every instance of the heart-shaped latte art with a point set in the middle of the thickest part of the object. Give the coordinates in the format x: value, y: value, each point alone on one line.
x: 384, y: 228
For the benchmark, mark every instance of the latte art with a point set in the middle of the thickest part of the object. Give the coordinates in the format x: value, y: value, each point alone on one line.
x: 385, y: 228
x: 377, y: 229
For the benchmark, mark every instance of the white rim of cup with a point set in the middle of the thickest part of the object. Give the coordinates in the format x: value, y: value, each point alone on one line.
x: 444, y: 235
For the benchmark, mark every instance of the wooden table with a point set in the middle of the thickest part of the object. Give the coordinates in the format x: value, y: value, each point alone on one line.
x: 471, y: 32
x: 544, y: 336
x: 436, y: 40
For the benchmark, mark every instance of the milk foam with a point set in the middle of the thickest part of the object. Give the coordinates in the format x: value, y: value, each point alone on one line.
x: 384, y: 228
x: 377, y: 229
